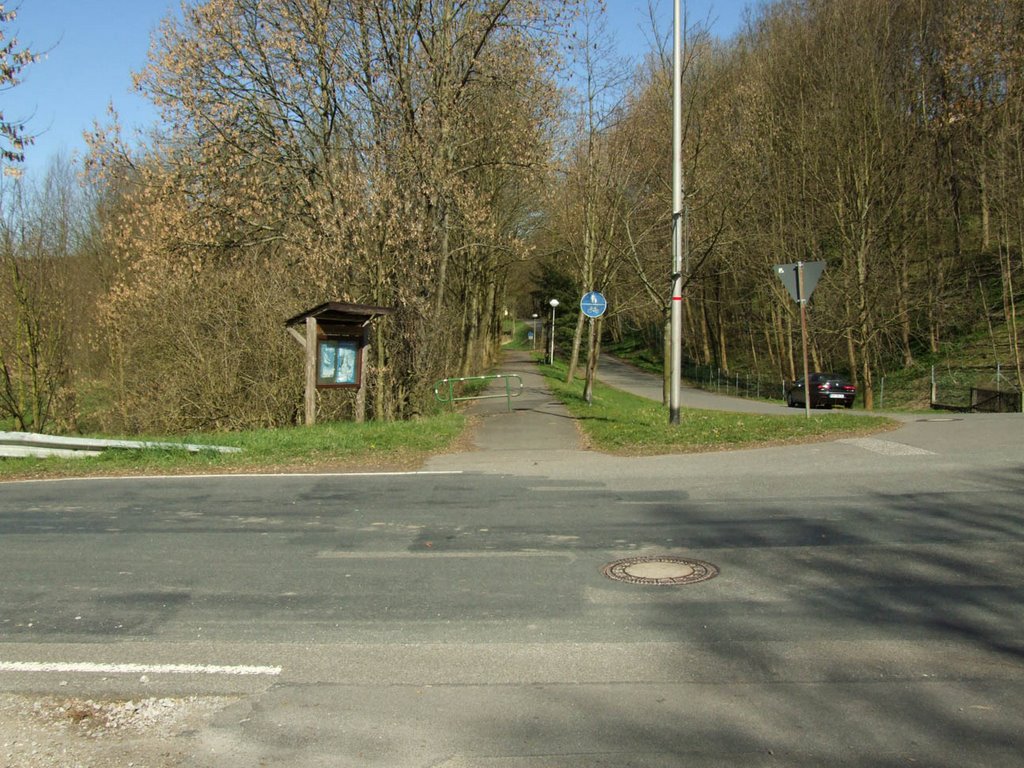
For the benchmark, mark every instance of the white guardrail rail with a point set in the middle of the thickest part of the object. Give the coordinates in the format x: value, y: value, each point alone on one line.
x: 27, y: 444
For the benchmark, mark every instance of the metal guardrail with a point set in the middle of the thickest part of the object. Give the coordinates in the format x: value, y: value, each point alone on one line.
x: 447, y: 387
x: 26, y: 444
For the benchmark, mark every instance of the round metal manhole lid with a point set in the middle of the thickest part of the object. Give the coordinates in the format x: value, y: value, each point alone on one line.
x: 662, y: 570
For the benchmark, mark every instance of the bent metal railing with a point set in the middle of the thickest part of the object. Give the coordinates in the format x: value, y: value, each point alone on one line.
x: 444, y: 390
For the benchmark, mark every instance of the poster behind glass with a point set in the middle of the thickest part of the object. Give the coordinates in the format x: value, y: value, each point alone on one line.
x: 338, y: 362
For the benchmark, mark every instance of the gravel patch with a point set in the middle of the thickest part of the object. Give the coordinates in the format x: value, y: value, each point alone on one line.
x: 52, y: 732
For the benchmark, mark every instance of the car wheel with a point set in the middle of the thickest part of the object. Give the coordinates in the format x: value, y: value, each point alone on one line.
x: 790, y: 401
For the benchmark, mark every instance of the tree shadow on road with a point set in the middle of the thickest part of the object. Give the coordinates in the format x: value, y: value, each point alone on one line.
x: 881, y: 633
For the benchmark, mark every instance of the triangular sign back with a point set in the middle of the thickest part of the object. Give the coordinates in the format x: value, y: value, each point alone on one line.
x: 787, y: 273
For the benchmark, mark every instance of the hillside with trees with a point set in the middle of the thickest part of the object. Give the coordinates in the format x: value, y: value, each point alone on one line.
x: 463, y: 160
x: 882, y: 138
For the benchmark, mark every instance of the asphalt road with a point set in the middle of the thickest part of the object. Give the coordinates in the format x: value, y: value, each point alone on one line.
x: 866, y: 613
x: 622, y: 375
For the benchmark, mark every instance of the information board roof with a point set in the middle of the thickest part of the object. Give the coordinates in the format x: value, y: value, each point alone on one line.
x: 341, y: 312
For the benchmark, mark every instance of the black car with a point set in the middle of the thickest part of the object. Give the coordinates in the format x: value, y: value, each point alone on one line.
x: 827, y: 389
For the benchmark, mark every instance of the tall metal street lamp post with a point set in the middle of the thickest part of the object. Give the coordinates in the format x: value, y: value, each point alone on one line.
x: 551, y: 338
x: 678, y: 224
x: 535, y: 316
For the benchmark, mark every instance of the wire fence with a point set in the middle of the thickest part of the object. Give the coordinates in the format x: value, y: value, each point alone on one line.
x: 756, y: 385
x: 957, y: 389
x: 988, y: 388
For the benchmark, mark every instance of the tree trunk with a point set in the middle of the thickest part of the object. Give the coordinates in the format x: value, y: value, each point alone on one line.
x: 720, y: 334
x: 864, y: 323
x: 816, y: 357
x: 705, y: 335
x: 472, y: 334
x: 851, y: 352
x: 903, y: 307
x: 577, y: 341
x: 986, y: 211
x: 593, y: 355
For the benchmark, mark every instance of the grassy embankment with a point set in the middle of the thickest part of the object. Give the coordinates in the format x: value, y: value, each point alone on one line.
x: 374, y: 446
x: 621, y: 423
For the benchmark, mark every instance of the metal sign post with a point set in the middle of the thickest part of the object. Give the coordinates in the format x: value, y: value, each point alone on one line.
x: 800, y: 280
x: 803, y: 335
x: 593, y: 305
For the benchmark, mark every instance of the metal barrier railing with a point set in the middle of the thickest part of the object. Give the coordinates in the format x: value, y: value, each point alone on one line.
x: 449, y: 386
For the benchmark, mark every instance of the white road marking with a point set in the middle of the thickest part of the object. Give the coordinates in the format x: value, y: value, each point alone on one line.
x: 135, y: 669
x: 431, y: 555
x: 565, y: 488
x: 241, y: 476
x: 886, y: 447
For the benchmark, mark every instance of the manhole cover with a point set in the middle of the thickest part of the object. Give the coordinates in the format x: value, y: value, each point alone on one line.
x: 660, y: 569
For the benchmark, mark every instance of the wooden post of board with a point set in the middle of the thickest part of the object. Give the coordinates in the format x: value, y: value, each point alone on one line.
x: 360, y: 404
x: 311, y: 349
x: 346, y: 327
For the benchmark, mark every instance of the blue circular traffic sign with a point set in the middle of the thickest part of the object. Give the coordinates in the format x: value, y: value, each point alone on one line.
x: 593, y: 304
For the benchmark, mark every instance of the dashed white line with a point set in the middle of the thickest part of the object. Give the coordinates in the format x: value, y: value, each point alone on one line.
x: 136, y: 669
x: 565, y: 488
x: 488, y: 554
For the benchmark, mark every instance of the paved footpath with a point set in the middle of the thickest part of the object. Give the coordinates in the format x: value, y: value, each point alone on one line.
x: 540, y: 437
x: 537, y: 432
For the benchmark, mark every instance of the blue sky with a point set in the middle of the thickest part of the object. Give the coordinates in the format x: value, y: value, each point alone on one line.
x: 94, y: 46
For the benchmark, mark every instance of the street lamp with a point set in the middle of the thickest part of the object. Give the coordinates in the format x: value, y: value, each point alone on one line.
x: 551, y: 341
x: 679, y: 244
x: 535, y: 316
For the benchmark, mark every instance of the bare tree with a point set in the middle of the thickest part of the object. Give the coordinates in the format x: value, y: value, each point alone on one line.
x: 13, y: 59
x: 40, y: 234
x: 376, y: 153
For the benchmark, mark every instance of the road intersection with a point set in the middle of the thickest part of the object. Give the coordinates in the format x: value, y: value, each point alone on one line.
x: 866, y: 610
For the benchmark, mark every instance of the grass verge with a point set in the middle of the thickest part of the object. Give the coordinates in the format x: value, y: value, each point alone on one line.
x: 373, y: 446
x: 624, y: 424
x: 616, y: 422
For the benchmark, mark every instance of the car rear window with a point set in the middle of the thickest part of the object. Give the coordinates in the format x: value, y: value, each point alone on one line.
x: 830, y: 379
